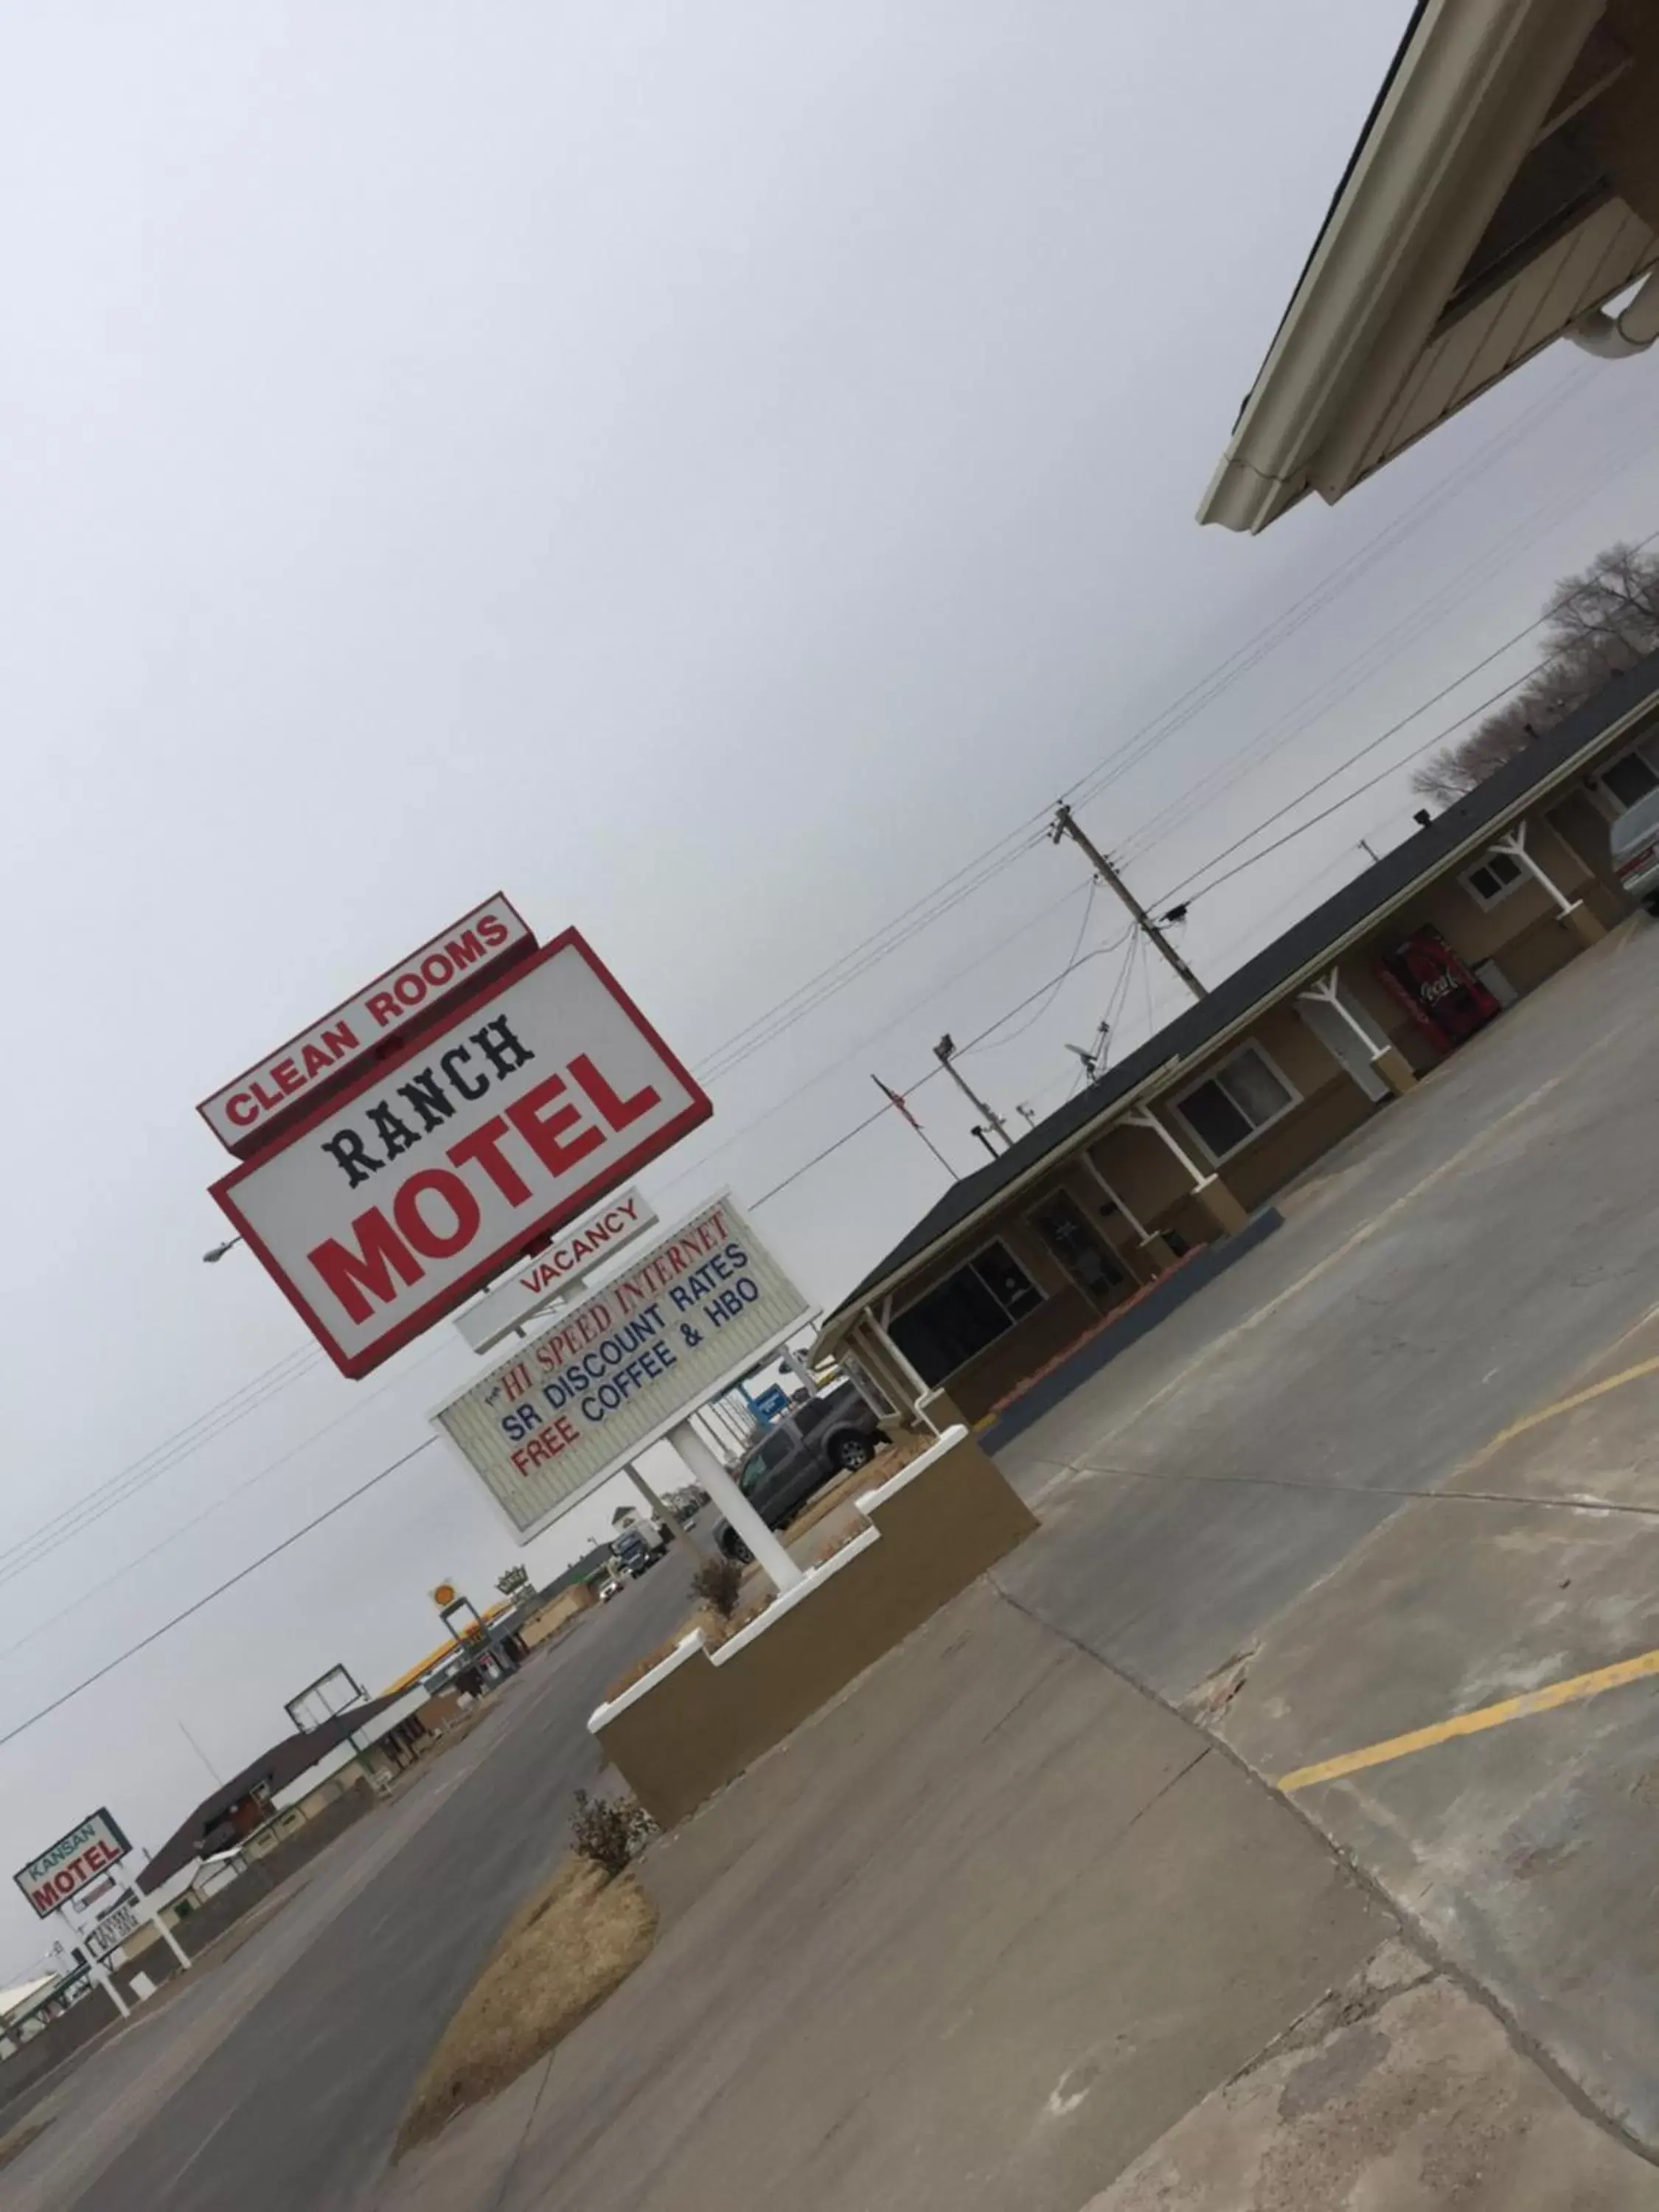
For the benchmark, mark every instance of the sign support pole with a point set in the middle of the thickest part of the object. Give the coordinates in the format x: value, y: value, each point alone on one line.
x: 707, y: 1473
x: 166, y: 1935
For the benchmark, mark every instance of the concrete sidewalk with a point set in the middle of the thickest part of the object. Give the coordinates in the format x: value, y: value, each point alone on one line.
x: 979, y: 1937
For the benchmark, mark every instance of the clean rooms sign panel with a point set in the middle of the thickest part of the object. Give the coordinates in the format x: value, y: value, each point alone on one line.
x: 382, y: 1213
x: 616, y: 1373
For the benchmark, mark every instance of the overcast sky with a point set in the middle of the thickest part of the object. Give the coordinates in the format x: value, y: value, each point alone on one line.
x: 712, y: 473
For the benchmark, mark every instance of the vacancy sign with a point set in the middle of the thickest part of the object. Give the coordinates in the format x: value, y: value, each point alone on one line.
x: 557, y: 1268
x: 273, y: 1092
x: 616, y: 1373
x: 73, y: 1863
x: 437, y: 1169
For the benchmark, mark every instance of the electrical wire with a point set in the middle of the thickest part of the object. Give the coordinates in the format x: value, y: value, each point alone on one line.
x: 200, y: 1604
x: 776, y: 1020
x: 161, y: 1459
x: 1071, y: 962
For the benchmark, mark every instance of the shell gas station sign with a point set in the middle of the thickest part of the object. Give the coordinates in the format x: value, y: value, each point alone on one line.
x: 455, y: 1148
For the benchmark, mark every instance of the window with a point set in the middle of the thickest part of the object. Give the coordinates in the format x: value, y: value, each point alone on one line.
x: 1244, y: 1095
x: 771, y: 1454
x: 1627, y: 779
x: 956, y: 1320
x: 1492, y: 880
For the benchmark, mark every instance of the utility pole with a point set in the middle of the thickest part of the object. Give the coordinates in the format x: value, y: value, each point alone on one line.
x: 944, y: 1053
x: 1064, y: 825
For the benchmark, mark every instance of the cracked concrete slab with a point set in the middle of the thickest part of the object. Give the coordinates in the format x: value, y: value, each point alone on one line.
x: 1399, y: 2094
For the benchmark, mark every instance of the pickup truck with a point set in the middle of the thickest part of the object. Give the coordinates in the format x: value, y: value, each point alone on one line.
x: 798, y: 1456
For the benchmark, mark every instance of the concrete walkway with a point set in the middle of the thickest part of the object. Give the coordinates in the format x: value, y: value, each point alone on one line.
x: 978, y: 1937
x: 1402, y: 1464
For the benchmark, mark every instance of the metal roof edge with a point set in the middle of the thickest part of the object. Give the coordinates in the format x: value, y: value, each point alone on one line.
x: 1403, y: 216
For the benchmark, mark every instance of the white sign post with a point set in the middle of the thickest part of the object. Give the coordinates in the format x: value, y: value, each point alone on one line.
x: 620, y: 1370
x: 459, y: 1153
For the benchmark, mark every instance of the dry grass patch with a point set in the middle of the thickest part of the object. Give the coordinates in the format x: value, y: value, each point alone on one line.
x: 576, y: 1940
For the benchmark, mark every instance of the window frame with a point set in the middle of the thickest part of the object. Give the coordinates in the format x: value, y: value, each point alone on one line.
x: 1647, y: 748
x: 1522, y: 876
x: 961, y: 1266
x: 1216, y: 1074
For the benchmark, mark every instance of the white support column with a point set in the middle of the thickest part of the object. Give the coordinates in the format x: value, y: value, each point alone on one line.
x: 1514, y: 843
x: 1146, y: 1236
x: 800, y: 1370
x: 918, y: 1382
x: 1390, y: 1063
x: 1584, y: 925
x: 1218, y: 1200
x: 101, y: 1973
x: 707, y: 1471
x: 167, y: 1936
x: 1144, y: 1118
x: 1325, y: 989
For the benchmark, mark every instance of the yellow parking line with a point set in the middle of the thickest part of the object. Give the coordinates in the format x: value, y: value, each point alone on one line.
x: 1568, y: 1692
x: 1560, y: 1406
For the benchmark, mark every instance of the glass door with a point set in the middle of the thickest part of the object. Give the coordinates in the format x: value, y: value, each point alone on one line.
x: 1085, y: 1255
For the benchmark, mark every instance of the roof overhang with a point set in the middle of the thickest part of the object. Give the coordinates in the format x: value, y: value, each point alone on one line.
x: 1364, y: 362
x: 869, y: 1296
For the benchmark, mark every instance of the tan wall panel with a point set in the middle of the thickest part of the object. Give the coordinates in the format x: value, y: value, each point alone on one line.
x: 702, y: 1725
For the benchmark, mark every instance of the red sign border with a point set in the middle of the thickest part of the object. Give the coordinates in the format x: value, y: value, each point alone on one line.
x: 263, y: 1137
x: 354, y: 1365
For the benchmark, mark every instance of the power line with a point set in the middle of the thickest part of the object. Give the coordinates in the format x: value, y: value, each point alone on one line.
x: 765, y: 1027
x: 199, y: 1604
x: 160, y: 1460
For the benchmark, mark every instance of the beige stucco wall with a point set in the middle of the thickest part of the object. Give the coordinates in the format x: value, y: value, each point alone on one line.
x: 1524, y: 933
x: 702, y: 1724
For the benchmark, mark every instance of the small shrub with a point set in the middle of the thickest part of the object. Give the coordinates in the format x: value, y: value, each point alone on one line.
x: 609, y: 1830
x: 717, y: 1583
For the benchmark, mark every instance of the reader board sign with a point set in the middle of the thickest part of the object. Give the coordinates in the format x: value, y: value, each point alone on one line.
x: 616, y: 1373
x: 124, y: 1919
x: 271, y: 1093
x: 73, y: 1864
x: 395, y: 1201
x: 557, y: 1267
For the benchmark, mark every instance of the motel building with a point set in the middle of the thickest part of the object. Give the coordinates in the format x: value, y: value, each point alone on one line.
x: 1337, y: 1020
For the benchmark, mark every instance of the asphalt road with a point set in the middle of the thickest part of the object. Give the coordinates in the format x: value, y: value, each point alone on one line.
x: 294, y: 2103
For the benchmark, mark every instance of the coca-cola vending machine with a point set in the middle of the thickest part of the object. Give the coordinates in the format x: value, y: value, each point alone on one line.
x: 1442, y: 996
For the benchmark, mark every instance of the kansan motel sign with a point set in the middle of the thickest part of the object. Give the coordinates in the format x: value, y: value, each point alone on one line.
x: 413, y: 1145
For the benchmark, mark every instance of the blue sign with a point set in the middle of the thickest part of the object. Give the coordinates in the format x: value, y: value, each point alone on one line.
x: 768, y: 1406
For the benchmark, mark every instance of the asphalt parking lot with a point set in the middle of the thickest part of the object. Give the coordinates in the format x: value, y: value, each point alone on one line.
x: 1398, y: 1466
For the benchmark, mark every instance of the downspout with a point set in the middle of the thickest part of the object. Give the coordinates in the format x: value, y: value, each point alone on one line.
x: 1617, y: 338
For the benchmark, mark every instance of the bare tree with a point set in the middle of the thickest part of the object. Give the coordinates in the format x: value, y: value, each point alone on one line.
x: 1596, y: 626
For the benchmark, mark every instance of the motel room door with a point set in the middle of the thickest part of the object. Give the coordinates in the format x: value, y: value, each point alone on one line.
x: 1086, y: 1257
